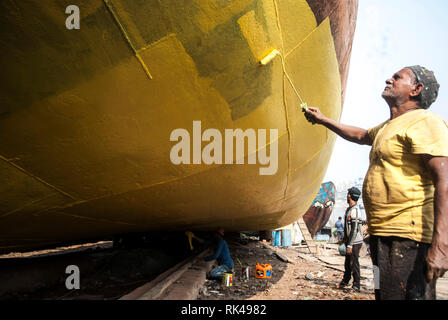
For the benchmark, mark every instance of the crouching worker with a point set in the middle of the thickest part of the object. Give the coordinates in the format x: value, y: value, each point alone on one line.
x: 221, y: 255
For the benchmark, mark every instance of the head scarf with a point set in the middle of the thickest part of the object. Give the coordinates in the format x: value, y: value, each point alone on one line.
x: 430, y: 85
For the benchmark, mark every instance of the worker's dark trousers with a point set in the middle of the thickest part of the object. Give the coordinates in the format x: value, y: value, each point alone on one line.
x: 352, y: 266
x: 402, y: 269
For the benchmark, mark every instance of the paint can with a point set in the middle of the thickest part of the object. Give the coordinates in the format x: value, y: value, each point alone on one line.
x: 342, y: 249
x: 227, y: 279
x: 246, y: 273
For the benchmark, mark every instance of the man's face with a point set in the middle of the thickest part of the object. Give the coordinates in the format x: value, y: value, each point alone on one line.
x: 400, y: 86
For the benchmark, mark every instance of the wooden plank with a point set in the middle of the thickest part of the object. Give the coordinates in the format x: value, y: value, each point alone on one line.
x: 155, y: 288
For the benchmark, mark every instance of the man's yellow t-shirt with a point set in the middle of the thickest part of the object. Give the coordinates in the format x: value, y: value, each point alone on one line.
x: 398, y: 191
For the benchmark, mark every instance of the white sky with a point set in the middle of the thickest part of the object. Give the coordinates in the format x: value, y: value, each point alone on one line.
x: 390, y: 35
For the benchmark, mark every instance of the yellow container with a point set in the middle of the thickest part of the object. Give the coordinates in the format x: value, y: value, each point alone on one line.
x: 263, y: 271
x: 227, y: 279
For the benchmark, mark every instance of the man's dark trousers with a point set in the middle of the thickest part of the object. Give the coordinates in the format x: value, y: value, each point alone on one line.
x: 402, y: 268
x: 352, y: 266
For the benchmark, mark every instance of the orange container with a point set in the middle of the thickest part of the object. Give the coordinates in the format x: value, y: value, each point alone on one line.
x: 263, y: 271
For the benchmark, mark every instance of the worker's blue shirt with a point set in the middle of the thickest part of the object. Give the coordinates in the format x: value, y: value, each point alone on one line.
x: 222, y: 255
x: 339, y: 225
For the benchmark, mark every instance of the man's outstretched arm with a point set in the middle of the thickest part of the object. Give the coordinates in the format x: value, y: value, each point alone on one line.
x: 217, y: 253
x: 350, y: 133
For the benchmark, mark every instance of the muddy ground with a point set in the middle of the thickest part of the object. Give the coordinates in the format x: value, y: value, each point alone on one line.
x: 109, y: 274
x: 304, y: 277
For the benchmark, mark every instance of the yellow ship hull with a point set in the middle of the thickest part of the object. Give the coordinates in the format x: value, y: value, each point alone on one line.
x: 86, y: 114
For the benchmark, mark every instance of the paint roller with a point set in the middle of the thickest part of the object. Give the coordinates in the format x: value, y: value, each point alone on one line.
x: 190, y: 236
x: 268, y: 58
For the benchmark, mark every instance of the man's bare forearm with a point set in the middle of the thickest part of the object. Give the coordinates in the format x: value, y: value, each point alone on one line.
x: 438, y: 167
x: 437, y: 257
x: 350, y: 133
x: 440, y: 236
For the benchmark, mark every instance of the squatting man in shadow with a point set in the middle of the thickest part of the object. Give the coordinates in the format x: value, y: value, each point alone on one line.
x: 405, y: 191
x: 221, y: 255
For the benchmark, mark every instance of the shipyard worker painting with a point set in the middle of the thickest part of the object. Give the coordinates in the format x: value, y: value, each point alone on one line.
x: 405, y: 189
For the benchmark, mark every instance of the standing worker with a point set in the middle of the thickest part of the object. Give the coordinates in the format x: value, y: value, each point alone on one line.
x: 339, y: 228
x: 405, y: 191
x: 353, y: 240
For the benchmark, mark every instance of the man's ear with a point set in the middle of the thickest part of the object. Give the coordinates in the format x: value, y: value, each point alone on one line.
x: 418, y: 87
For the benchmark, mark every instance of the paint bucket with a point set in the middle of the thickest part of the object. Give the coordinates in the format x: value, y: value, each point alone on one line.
x: 227, y: 279
x: 246, y: 273
x: 286, y: 238
x: 342, y: 249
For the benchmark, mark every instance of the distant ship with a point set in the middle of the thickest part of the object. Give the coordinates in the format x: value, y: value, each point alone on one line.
x: 317, y: 216
x: 86, y: 115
